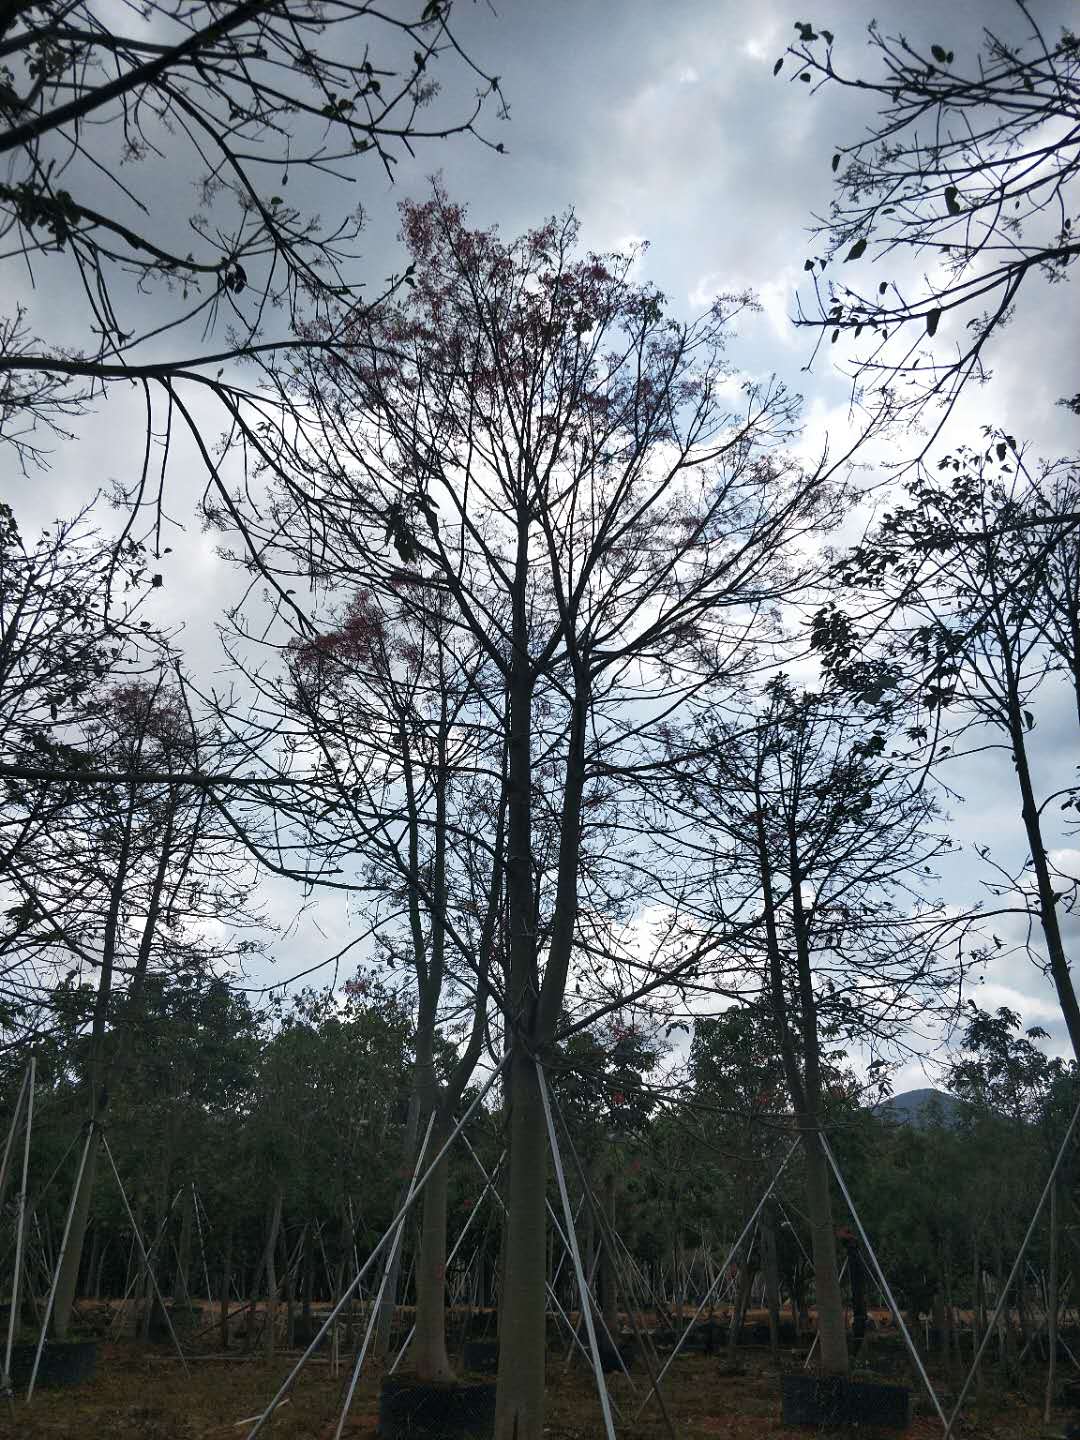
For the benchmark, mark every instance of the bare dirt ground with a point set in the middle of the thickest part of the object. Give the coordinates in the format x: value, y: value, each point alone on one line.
x: 140, y: 1392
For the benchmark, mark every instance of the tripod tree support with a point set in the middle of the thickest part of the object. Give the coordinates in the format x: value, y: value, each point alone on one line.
x: 59, y: 1261
x: 20, y: 1231
x: 1012, y: 1275
x: 575, y: 1255
x: 290, y: 1379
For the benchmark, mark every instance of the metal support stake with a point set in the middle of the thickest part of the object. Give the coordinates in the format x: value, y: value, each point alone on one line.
x: 377, y: 1302
x: 20, y: 1231
x: 145, y: 1256
x: 9, y: 1144
x: 882, y: 1281
x: 586, y: 1309
x: 722, y: 1271
x: 59, y: 1262
x: 1012, y: 1275
x: 453, y: 1253
x: 287, y: 1383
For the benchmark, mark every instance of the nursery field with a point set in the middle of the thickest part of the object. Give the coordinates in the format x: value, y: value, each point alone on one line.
x: 147, y: 1395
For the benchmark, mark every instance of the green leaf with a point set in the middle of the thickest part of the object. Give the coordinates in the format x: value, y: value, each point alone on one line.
x: 808, y: 265
x: 778, y: 66
x: 939, y: 54
x: 932, y: 322
x: 883, y: 287
x: 856, y: 250
x: 835, y: 163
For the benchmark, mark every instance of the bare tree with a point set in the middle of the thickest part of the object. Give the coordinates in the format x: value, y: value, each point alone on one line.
x: 556, y: 458
x: 806, y: 811
x: 970, y: 586
x: 125, y: 886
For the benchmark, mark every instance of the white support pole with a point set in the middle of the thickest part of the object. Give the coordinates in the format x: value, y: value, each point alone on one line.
x: 377, y: 1302
x: 453, y: 1252
x: 882, y: 1281
x: 145, y: 1256
x: 117, y: 1321
x: 586, y: 1309
x: 20, y: 1230
x: 9, y: 1144
x: 723, y: 1270
x: 1012, y: 1275
x: 202, y: 1242
x: 59, y: 1262
x: 550, y: 1284
x: 289, y: 1380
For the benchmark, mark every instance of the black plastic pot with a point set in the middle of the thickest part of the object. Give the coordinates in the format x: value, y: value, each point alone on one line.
x: 455, y: 1410
x: 63, y: 1362
x: 481, y: 1357
x: 828, y: 1400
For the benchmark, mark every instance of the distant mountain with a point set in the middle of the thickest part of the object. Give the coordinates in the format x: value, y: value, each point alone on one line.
x: 920, y: 1107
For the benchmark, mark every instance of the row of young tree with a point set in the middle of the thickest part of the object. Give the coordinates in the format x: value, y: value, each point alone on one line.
x: 254, y: 1157
x: 535, y: 718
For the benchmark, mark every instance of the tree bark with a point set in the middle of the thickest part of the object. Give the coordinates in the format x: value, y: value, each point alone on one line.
x: 226, y: 1282
x: 519, y: 1405
x: 429, y: 1342
x: 1052, y: 1305
x: 270, y: 1267
x: 772, y: 1278
x: 388, y: 1304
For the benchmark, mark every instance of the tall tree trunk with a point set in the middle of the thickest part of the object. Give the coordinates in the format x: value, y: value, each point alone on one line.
x: 270, y: 1266
x: 742, y: 1295
x: 68, y: 1281
x: 772, y: 1277
x: 181, y: 1291
x: 832, y: 1335
x: 609, y: 1298
x: 408, y: 1160
x: 519, y: 1407
x: 1052, y: 1304
x: 226, y: 1283
x: 429, y: 1342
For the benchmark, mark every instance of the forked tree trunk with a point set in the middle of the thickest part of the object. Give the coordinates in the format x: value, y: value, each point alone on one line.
x: 429, y: 1341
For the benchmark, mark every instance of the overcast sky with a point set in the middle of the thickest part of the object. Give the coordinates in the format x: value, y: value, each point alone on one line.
x: 664, y: 122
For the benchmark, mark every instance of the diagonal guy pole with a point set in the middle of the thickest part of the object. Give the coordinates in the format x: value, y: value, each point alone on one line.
x: 552, y: 1296
x: 453, y: 1253
x: 287, y: 1383
x: 59, y: 1261
x: 586, y: 1309
x: 373, y: 1314
x: 722, y: 1270
x: 20, y: 1233
x: 883, y: 1282
x: 145, y: 1256
x: 1012, y: 1275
